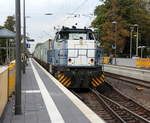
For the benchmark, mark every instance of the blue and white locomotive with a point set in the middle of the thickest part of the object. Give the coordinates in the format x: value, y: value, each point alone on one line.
x: 75, y: 59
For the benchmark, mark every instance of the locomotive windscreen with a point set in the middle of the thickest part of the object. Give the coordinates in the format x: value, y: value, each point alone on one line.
x: 76, y: 35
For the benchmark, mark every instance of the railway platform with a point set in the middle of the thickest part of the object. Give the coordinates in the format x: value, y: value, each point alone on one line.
x: 45, y: 100
x: 130, y: 72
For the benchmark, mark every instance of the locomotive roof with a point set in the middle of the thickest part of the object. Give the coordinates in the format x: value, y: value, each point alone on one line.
x: 73, y: 30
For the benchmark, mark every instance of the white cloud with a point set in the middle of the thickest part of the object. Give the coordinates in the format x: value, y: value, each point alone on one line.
x: 40, y: 26
x: 7, y: 7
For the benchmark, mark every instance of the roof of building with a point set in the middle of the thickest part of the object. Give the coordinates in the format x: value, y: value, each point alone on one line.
x: 5, y: 33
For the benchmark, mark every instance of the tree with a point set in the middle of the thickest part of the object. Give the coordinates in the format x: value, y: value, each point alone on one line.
x: 126, y: 13
x: 10, y: 23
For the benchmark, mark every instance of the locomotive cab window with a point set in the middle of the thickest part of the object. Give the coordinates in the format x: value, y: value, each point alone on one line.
x: 81, y: 36
x: 77, y: 36
x: 64, y: 36
x: 90, y: 36
x: 58, y: 38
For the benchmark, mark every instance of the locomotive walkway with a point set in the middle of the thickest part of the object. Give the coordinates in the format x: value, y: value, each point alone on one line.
x: 45, y: 100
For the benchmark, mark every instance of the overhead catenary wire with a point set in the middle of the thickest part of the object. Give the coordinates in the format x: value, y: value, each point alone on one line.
x: 74, y: 12
x: 75, y: 15
x: 79, y: 7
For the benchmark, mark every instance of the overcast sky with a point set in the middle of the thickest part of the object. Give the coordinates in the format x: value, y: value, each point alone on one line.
x: 41, y: 26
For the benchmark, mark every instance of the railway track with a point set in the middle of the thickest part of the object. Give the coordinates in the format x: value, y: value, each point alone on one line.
x: 114, y: 97
x: 99, y: 107
x: 114, y: 107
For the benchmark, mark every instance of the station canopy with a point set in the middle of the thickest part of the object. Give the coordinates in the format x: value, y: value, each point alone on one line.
x: 5, y: 33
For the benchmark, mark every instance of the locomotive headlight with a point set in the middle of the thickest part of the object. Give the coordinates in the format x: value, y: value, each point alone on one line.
x: 92, y: 60
x: 69, y: 60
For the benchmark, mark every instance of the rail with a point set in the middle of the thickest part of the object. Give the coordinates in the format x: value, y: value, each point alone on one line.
x: 108, y: 107
x: 99, y: 106
x: 115, y: 98
x: 126, y: 109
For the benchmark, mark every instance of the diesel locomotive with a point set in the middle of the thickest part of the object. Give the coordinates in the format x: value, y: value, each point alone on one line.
x: 73, y: 57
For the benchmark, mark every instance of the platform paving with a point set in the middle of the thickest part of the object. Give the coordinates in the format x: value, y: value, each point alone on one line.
x: 34, y: 108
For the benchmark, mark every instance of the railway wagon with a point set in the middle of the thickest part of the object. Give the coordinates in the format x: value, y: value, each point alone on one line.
x: 40, y: 53
x: 74, y: 58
